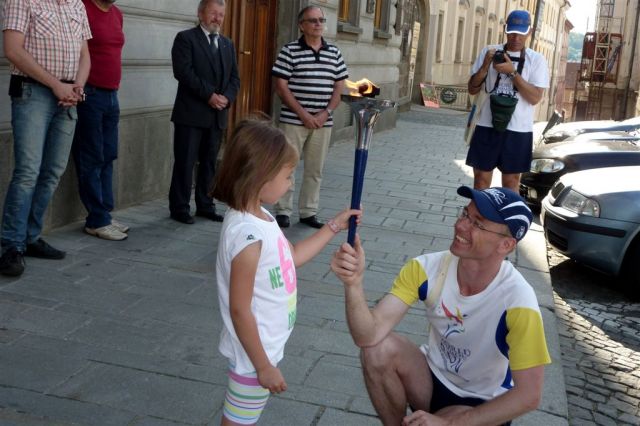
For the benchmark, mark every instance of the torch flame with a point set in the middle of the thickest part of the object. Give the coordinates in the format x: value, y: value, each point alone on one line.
x: 359, y: 88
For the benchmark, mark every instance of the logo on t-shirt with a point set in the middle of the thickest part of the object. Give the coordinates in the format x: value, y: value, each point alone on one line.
x: 456, y: 321
x: 453, y: 356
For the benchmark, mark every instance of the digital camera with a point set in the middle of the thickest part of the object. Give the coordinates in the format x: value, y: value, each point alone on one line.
x: 498, y: 57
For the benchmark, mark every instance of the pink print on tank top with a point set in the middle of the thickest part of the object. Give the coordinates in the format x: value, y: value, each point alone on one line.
x: 286, y: 265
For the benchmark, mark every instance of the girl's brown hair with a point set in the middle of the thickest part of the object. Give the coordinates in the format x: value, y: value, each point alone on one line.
x: 255, y: 154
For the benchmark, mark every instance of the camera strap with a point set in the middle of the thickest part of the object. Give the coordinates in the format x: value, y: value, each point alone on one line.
x: 520, y: 67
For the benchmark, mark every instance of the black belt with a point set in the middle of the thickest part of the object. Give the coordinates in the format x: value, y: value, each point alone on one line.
x: 34, y: 81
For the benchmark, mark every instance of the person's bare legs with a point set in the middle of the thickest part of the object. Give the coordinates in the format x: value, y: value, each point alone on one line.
x: 482, y: 178
x: 396, y: 373
x: 511, y: 181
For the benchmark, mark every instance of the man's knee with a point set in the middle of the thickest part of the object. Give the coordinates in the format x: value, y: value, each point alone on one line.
x: 378, y: 357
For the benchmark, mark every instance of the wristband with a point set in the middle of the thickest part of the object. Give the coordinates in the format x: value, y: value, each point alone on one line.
x: 333, y: 226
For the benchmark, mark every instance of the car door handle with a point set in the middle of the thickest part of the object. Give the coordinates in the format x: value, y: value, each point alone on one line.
x: 245, y: 52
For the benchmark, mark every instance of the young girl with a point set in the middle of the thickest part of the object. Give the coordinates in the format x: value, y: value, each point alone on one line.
x: 256, y: 266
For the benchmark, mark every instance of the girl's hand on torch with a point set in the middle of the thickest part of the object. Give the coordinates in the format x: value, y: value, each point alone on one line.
x: 342, y: 218
x: 348, y: 263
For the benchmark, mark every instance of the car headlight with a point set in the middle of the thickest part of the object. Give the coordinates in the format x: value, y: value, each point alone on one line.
x: 578, y: 203
x: 546, y: 165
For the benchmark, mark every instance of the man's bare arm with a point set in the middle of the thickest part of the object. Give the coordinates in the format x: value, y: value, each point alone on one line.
x: 368, y: 327
x: 84, y: 65
x: 528, y: 91
x: 338, y: 88
x: 475, y: 82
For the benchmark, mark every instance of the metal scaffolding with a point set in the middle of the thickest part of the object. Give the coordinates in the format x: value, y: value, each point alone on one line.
x: 600, y: 61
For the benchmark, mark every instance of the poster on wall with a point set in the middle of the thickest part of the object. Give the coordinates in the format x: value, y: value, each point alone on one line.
x: 429, y: 95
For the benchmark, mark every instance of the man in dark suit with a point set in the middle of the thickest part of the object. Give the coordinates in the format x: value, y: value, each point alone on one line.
x: 204, y: 63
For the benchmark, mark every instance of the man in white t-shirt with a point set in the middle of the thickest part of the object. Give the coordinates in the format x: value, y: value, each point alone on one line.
x: 483, y: 362
x: 511, y: 70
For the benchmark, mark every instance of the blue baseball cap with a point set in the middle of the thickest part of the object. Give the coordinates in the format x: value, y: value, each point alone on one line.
x: 501, y: 205
x: 519, y: 22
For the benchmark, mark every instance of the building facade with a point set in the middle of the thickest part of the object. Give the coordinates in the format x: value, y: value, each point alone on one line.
x: 370, y: 34
x: 397, y: 44
x: 608, y: 65
x: 462, y: 28
x: 550, y: 38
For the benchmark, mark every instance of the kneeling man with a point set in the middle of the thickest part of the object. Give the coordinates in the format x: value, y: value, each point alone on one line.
x: 484, y: 360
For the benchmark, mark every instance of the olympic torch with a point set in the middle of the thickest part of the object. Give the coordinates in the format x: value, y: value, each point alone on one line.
x: 366, y: 112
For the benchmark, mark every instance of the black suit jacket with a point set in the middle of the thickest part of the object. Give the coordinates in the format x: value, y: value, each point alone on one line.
x: 193, y: 67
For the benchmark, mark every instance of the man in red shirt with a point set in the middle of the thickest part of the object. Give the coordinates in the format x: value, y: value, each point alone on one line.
x: 95, y: 145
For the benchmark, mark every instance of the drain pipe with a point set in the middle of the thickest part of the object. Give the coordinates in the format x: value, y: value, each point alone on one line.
x: 534, y: 28
x: 631, y: 60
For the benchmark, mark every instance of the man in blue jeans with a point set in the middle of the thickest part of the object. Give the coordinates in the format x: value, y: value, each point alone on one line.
x: 95, y: 145
x: 48, y: 72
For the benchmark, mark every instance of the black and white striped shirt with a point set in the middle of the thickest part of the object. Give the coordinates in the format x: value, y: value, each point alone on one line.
x: 310, y: 75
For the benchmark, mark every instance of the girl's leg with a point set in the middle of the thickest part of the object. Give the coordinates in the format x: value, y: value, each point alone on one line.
x: 245, y: 399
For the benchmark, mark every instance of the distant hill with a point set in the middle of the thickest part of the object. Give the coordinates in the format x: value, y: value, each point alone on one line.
x: 575, y: 47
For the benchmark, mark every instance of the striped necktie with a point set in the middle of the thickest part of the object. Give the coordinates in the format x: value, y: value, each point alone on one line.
x: 214, y: 42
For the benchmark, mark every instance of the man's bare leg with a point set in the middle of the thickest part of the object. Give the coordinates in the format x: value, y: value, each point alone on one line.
x: 511, y: 181
x: 482, y: 179
x: 396, y: 373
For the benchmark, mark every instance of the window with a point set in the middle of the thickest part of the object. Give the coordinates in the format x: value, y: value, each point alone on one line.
x: 381, y: 18
x: 439, y: 36
x: 459, y: 40
x: 348, y: 12
x: 489, y: 36
x: 476, y: 37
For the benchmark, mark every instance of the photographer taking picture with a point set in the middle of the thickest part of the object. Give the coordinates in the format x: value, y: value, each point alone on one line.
x: 515, y: 78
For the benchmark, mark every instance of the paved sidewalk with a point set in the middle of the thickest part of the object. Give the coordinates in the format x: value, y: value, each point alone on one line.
x: 125, y: 333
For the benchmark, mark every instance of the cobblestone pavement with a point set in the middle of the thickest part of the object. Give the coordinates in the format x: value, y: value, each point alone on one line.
x: 126, y: 333
x: 599, y: 328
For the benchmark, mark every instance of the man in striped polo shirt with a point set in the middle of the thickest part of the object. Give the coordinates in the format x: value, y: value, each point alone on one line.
x: 309, y: 76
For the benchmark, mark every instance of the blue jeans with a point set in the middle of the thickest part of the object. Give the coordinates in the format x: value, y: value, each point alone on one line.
x: 42, y: 137
x: 95, y: 146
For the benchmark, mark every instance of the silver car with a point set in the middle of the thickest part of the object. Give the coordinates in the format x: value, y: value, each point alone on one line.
x: 593, y: 217
x: 563, y: 131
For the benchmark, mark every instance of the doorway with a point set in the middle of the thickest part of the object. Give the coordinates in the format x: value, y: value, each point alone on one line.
x: 252, y: 27
x: 413, y: 31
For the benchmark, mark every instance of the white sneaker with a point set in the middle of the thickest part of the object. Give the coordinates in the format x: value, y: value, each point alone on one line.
x: 108, y: 232
x: 119, y: 226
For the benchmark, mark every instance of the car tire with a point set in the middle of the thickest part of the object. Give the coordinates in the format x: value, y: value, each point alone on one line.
x: 630, y: 269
